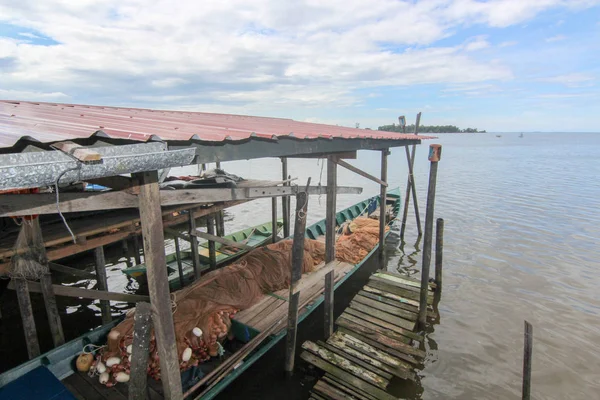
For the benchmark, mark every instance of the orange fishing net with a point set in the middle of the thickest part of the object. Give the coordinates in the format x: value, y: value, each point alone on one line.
x: 358, y: 238
x: 202, y: 312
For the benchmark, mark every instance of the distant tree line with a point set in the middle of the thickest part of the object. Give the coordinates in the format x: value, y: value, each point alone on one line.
x: 429, y: 129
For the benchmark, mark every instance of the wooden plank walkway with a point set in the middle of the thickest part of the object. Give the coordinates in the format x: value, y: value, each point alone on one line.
x: 376, y: 341
x: 274, y: 306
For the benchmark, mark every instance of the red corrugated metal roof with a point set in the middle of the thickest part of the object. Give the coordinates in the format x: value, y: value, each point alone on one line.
x: 51, y: 122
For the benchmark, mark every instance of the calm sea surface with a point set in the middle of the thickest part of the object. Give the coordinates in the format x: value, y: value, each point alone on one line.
x: 521, y: 243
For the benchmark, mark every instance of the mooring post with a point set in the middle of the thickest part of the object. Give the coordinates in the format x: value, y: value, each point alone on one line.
x: 383, y: 206
x: 158, y: 284
x: 435, y: 152
x: 527, y: 352
x: 136, y: 250
x: 285, y: 199
x: 142, y: 326
x: 274, y: 219
x: 179, y: 263
x: 31, y: 339
x: 194, y: 244
x: 330, y: 227
x: 410, y: 186
x: 439, y: 252
x: 100, y: 265
x: 212, y: 252
x: 296, y: 274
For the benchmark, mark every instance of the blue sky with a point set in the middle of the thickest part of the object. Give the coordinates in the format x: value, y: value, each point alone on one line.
x: 500, y: 65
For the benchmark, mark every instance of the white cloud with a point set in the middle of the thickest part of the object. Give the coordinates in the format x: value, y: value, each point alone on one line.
x: 248, y: 56
x: 556, y: 38
x: 508, y: 43
x: 577, y: 79
x: 479, y: 43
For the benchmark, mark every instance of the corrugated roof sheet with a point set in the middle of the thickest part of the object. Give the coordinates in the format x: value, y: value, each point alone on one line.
x: 52, y: 122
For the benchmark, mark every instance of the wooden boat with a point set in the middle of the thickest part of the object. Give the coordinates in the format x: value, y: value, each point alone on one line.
x: 254, y: 237
x: 60, y: 362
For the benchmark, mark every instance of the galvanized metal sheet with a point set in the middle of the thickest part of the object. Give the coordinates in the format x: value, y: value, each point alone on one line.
x: 38, y: 169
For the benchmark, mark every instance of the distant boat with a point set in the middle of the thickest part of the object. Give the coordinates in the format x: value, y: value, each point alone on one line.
x: 498, y: 135
x: 521, y: 135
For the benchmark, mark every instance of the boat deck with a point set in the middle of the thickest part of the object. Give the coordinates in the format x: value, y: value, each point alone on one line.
x: 375, y: 343
x: 84, y: 387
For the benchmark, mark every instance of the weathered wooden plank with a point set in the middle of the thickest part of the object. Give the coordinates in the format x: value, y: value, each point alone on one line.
x: 352, y: 391
x: 71, y: 271
x: 315, y: 277
x: 221, y: 240
x: 395, y: 303
x: 73, y: 390
x: 158, y: 284
x: 80, y: 153
x: 85, y: 388
x: 404, y: 279
x: 398, y: 354
x: 384, y: 324
x: 58, y: 336
x: 358, y: 171
x: 359, y: 359
x: 353, y: 351
x: 399, y: 282
x: 31, y: 339
x: 319, y: 397
x: 345, y: 376
x: 341, y: 339
x: 105, y: 392
x: 346, y: 365
x: 384, y: 331
x: 382, y: 284
x: 391, y: 296
x: 71, y: 291
x: 402, y: 323
x: 101, y: 281
x: 380, y: 338
x: 139, y: 354
x: 330, y: 224
x: 383, y: 214
x: 331, y: 392
x: 407, y: 315
x: 194, y: 245
x: 267, y: 313
x: 246, y: 315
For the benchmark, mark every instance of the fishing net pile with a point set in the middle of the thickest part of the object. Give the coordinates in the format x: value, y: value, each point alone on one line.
x: 202, y: 312
x: 358, y: 238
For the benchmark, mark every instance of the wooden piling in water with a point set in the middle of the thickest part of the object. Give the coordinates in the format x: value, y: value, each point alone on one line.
x: 410, y: 187
x: 194, y: 245
x: 136, y: 250
x: 100, y: 265
x: 383, y: 206
x: 179, y: 263
x: 527, y: 353
x: 296, y: 274
x: 434, y: 157
x: 158, y: 283
x: 31, y: 339
x: 439, y: 253
x: 274, y: 219
x: 212, y: 252
x: 285, y: 201
x: 330, y: 227
x: 139, y: 354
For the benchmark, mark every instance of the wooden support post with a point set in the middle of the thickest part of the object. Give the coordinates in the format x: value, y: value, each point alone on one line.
x: 434, y: 157
x: 527, y: 352
x: 360, y: 172
x: 194, y: 245
x: 296, y: 274
x: 158, y: 284
x: 330, y: 228
x: 58, y: 336
x: 410, y: 184
x: 139, y: 353
x: 136, y: 250
x: 285, y: 205
x: 124, y: 246
x: 383, y: 206
x: 33, y: 230
x: 179, y: 264
x: 274, y: 219
x: 219, y: 224
x: 212, y: 252
x: 33, y: 346
x: 439, y: 251
x: 102, y: 283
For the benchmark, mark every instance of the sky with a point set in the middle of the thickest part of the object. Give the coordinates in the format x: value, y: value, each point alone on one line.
x: 500, y: 65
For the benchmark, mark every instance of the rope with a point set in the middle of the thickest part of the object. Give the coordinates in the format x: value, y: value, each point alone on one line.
x: 78, y: 167
x: 320, y: 177
x: 94, y: 347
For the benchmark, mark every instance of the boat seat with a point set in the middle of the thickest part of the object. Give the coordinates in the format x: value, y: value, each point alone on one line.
x: 39, y: 384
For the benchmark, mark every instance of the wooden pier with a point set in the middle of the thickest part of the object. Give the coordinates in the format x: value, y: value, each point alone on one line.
x: 376, y: 341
